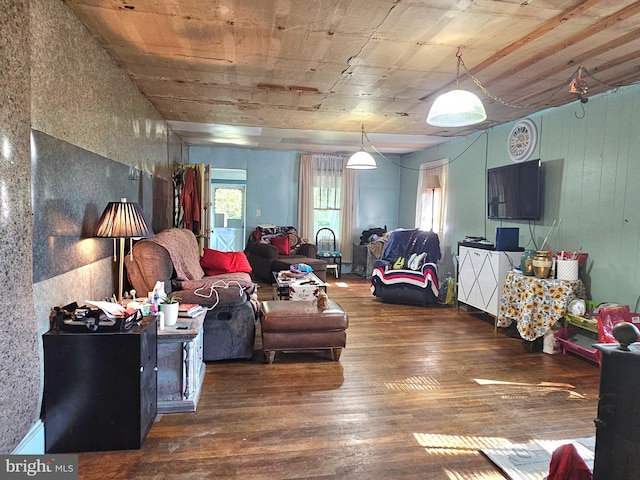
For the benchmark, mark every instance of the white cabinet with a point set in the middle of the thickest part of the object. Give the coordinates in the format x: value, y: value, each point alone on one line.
x: 481, y: 275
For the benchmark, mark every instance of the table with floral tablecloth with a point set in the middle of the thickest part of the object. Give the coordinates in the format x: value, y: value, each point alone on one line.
x: 536, y: 304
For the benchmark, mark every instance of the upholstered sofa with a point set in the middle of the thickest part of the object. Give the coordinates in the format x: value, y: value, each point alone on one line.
x: 173, y: 257
x: 272, y: 248
x: 407, y: 271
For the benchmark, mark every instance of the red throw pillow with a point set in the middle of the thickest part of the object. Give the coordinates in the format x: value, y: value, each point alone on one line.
x: 240, y: 263
x: 215, y: 262
x: 282, y: 243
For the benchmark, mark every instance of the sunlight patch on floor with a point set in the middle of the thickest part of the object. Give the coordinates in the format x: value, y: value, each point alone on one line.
x: 530, y: 459
x: 458, y: 442
x: 342, y: 284
x: 537, y: 389
x: 450, y: 451
x: 483, y: 381
x: 412, y: 384
x: 474, y: 475
x: 436, y: 444
x: 514, y: 397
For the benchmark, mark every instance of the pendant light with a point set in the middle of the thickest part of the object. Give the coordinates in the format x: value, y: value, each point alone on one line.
x: 456, y: 108
x: 361, y: 160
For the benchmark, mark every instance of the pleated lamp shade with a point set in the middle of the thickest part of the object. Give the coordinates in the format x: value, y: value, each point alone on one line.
x: 122, y: 220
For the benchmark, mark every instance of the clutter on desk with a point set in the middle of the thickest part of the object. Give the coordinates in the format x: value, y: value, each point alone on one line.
x: 73, y: 318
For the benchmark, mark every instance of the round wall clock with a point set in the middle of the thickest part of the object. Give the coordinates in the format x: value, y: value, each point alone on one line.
x: 522, y: 140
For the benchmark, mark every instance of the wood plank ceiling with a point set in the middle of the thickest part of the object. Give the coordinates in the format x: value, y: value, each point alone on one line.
x: 287, y: 74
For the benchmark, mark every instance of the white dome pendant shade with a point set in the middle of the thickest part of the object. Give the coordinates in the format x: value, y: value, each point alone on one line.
x: 361, y: 160
x: 456, y: 108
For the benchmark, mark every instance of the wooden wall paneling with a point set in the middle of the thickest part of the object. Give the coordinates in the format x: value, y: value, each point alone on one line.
x: 554, y: 167
x: 614, y: 164
x: 573, y: 184
x: 586, y: 158
x: 604, y: 188
x: 630, y: 145
x: 468, y: 217
x: 553, y: 172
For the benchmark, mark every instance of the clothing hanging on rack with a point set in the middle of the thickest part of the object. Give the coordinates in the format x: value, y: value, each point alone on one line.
x: 190, y: 200
x: 178, y: 220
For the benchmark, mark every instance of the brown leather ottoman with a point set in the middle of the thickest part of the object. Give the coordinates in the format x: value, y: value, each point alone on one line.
x: 288, y: 325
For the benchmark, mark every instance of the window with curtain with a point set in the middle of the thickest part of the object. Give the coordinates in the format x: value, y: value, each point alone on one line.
x: 430, y: 201
x: 327, y: 193
x: 326, y: 199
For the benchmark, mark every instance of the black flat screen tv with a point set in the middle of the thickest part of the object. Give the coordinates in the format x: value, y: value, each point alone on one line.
x: 514, y: 192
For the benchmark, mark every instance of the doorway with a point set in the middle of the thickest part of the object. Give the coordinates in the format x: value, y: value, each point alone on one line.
x: 228, y: 202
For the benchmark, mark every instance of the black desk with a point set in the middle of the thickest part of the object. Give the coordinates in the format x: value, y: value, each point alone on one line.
x: 99, y: 389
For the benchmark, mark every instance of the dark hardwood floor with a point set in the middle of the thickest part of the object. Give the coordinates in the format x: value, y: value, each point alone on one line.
x: 416, y: 394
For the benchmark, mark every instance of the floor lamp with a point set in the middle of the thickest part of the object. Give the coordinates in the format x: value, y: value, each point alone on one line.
x: 433, y: 182
x: 122, y: 220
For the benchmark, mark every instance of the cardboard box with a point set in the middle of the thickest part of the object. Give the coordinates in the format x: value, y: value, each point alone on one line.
x: 302, y: 292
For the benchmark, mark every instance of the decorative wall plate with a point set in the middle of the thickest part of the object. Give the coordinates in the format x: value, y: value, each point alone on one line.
x: 522, y: 140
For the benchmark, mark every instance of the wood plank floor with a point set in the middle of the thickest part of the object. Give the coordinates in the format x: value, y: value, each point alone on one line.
x: 416, y: 394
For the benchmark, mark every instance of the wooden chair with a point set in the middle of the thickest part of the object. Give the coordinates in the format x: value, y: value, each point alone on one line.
x: 328, y: 250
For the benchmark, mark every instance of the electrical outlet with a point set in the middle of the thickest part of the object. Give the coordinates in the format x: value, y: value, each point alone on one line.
x: 258, y: 212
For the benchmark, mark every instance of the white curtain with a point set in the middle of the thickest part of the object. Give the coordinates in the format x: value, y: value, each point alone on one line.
x: 334, y: 186
x: 347, y: 211
x: 305, y: 198
x: 430, y: 201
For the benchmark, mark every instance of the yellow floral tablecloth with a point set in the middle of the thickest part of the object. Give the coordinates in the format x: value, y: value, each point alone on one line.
x: 536, y: 304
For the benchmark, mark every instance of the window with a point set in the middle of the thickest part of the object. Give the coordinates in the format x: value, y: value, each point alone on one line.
x: 326, y: 199
x: 429, y: 207
x: 229, y: 202
x: 327, y: 194
x: 431, y: 202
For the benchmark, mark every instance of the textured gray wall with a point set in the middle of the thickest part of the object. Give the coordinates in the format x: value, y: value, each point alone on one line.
x: 58, y: 80
x: 72, y: 187
x: 19, y: 366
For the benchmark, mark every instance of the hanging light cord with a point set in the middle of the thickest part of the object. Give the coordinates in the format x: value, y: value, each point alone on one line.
x: 579, y: 73
x: 373, y: 147
x: 460, y: 62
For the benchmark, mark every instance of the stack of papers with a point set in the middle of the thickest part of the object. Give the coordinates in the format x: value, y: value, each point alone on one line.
x: 190, y: 310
